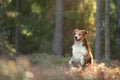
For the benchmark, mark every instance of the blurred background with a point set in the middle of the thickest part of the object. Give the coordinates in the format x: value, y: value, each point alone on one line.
x: 40, y: 26
x: 36, y: 38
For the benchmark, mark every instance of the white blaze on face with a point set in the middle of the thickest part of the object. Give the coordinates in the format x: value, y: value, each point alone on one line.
x: 77, y: 36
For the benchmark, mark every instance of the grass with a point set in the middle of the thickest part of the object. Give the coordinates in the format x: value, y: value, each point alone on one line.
x: 49, y: 67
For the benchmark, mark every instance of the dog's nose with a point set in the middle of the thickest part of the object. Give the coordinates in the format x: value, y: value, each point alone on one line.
x: 75, y: 37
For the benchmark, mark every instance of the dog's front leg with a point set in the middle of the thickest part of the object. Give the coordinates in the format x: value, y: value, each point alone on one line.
x: 71, y: 62
x: 82, y: 62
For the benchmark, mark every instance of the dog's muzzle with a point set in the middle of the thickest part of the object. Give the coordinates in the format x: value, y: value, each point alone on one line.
x: 76, y: 38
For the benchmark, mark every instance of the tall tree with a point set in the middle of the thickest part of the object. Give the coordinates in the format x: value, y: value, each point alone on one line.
x: 98, y: 31
x: 118, y: 13
x: 118, y: 28
x: 107, y: 33
x: 58, y: 34
x: 17, y: 28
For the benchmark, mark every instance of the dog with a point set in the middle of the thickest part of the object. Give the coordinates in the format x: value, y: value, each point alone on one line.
x: 81, y: 53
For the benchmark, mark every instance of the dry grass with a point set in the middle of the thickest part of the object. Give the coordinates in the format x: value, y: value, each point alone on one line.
x: 48, y: 67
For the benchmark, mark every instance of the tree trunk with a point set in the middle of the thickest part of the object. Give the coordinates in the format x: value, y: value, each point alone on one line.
x: 58, y: 34
x: 118, y: 29
x: 107, y: 33
x: 17, y: 28
x: 118, y: 12
x: 98, y: 31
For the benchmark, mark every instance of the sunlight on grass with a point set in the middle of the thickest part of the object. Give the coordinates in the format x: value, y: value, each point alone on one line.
x: 11, y: 65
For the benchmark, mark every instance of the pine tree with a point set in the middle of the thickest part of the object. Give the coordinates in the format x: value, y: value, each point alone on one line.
x: 107, y: 33
x: 58, y: 34
x: 118, y: 29
x: 98, y: 31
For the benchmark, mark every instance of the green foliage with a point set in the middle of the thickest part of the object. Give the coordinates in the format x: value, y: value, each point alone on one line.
x: 36, y: 20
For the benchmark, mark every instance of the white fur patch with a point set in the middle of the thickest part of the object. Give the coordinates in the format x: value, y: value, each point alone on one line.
x: 78, y: 49
x: 78, y: 52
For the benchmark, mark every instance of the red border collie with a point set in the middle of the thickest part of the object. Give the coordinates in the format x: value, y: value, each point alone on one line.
x: 81, y: 53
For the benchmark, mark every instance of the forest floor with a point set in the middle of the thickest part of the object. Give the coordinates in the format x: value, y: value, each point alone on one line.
x: 49, y: 67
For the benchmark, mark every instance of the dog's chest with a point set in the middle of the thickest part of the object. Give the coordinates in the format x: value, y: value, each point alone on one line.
x: 78, y: 50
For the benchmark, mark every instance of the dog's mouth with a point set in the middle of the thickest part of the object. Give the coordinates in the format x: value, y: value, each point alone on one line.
x: 77, y: 39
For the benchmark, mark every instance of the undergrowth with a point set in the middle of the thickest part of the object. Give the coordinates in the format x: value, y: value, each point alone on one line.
x: 49, y: 67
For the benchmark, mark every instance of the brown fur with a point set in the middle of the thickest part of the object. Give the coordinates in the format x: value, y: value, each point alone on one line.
x: 88, y: 57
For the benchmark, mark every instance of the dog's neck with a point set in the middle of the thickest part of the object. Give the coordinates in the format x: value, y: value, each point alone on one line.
x: 78, y: 42
x: 82, y: 42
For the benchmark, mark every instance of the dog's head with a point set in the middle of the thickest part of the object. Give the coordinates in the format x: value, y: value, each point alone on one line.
x: 79, y: 35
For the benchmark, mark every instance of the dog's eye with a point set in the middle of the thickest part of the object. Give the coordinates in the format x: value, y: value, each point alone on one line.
x: 79, y: 34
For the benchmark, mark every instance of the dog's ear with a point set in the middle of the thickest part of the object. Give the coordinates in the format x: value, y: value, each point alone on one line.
x: 85, y: 32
